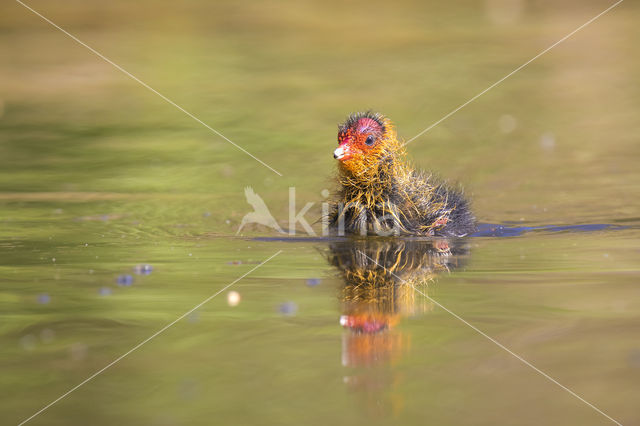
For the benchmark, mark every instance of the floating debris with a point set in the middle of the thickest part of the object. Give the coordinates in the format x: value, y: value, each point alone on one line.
x: 312, y: 282
x: 124, y: 280
x: 235, y: 262
x: 44, y: 298
x: 143, y: 269
x: 288, y: 309
x: 233, y: 298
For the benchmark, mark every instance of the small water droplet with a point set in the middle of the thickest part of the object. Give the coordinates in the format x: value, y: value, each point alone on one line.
x: 233, y: 298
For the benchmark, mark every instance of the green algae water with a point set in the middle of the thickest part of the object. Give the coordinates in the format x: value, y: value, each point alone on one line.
x: 119, y: 215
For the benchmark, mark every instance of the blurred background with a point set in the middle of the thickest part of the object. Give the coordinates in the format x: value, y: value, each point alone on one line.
x: 276, y: 78
x: 98, y: 175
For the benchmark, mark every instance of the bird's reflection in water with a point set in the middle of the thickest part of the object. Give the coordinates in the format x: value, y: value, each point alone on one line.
x: 381, y: 282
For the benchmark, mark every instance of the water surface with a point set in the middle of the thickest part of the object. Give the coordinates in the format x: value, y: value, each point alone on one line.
x: 100, y: 177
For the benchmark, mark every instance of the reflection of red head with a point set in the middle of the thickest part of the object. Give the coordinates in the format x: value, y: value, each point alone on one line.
x: 364, y: 323
x: 369, y: 340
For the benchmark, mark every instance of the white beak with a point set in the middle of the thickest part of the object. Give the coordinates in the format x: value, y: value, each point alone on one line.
x: 339, y: 153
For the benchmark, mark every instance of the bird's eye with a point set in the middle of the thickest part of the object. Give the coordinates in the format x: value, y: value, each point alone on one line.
x: 369, y: 140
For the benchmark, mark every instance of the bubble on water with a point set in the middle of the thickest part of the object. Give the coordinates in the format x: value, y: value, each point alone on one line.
x: 43, y: 298
x: 104, y: 291
x: 58, y: 211
x: 507, y: 123
x: 312, y: 282
x: 548, y: 141
x: 47, y: 335
x: 233, y: 298
x: 504, y: 12
x: 288, y: 309
x: 53, y: 259
x: 143, y: 269
x: 325, y: 193
x: 28, y: 342
x: 78, y: 351
x: 124, y: 280
x: 206, y: 214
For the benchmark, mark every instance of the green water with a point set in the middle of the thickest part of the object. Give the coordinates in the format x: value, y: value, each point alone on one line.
x: 98, y: 175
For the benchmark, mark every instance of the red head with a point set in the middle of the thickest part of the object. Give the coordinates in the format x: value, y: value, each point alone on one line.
x: 363, y: 139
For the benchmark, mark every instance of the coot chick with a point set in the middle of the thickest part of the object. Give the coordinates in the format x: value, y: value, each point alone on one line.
x: 381, y: 194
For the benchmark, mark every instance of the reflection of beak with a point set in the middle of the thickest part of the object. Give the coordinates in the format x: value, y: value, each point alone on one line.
x: 363, y: 324
x: 342, y: 152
